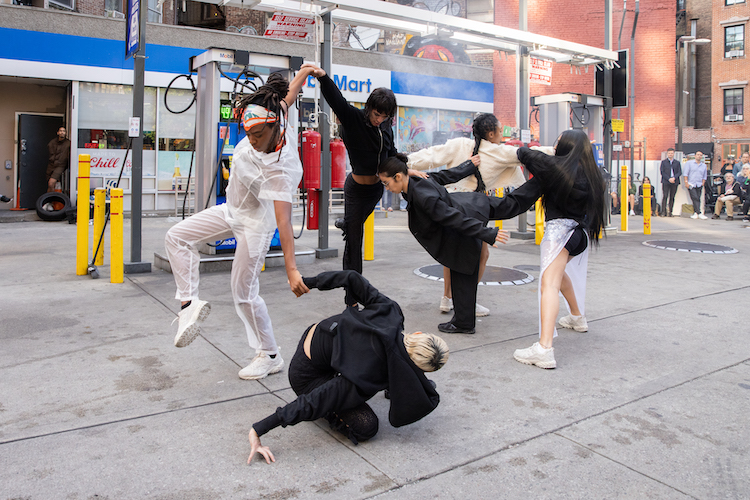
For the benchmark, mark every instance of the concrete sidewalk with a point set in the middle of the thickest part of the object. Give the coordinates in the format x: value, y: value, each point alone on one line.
x: 652, y: 402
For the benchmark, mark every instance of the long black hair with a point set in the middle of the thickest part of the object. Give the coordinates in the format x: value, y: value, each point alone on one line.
x: 270, y: 95
x: 575, y: 154
x: 383, y: 101
x: 394, y: 165
x: 483, y: 125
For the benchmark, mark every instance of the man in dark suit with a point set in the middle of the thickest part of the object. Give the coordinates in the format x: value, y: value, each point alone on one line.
x: 670, y: 179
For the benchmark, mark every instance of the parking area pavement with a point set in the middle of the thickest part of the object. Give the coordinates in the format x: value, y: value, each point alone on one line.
x: 652, y: 402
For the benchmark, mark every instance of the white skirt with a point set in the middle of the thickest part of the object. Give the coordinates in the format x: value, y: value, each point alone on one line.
x: 556, y: 235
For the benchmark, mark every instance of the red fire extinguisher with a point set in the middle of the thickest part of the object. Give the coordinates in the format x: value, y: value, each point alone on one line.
x: 313, y: 205
x: 338, y: 163
x: 311, y: 158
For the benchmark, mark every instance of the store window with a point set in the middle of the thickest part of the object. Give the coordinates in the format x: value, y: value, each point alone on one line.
x: 733, y: 105
x: 415, y: 128
x: 176, y: 139
x: 734, y: 41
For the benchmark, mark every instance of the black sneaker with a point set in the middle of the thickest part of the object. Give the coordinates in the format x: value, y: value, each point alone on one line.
x: 451, y: 328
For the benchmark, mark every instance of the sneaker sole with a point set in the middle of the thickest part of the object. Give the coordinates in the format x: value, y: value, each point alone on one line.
x: 576, y: 328
x: 544, y: 364
x: 188, y: 335
x: 445, y: 309
x: 481, y: 314
x: 258, y: 377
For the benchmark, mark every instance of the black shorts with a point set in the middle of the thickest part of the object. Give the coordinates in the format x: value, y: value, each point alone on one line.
x: 577, y: 242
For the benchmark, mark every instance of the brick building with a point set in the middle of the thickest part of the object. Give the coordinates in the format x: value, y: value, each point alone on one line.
x: 729, y: 76
x: 654, y: 63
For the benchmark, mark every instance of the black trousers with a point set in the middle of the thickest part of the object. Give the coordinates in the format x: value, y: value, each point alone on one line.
x: 695, y: 197
x: 464, y: 290
x: 667, y: 198
x: 359, y: 202
x: 358, y: 424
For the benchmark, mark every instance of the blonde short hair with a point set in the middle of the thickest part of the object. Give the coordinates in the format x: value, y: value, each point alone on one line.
x: 428, y: 351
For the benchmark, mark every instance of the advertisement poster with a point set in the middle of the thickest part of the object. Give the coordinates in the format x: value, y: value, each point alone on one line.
x: 172, y: 171
x: 415, y: 128
x: 108, y: 162
x: 540, y: 71
x: 456, y: 121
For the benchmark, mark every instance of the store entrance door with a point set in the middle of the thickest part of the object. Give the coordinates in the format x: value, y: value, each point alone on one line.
x: 34, y: 133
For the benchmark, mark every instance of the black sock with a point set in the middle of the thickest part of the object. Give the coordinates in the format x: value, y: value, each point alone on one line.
x: 186, y: 305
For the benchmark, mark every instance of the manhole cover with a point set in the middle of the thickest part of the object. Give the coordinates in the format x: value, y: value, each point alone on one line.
x: 527, y: 267
x: 493, y: 275
x: 689, y: 246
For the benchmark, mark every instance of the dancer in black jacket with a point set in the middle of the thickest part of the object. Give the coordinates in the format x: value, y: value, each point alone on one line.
x: 344, y: 360
x: 451, y: 226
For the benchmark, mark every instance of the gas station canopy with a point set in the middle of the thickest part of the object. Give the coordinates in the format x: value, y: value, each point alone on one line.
x: 385, y: 15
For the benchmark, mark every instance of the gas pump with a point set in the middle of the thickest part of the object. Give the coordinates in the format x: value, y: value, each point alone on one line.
x: 561, y: 112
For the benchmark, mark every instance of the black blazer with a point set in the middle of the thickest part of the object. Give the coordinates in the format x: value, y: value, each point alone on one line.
x: 666, y: 171
x: 450, y: 227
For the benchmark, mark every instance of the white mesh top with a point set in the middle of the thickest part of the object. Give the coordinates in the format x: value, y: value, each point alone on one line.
x: 258, y: 179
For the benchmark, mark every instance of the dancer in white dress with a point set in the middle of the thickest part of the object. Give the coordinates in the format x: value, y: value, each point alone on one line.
x: 573, y: 198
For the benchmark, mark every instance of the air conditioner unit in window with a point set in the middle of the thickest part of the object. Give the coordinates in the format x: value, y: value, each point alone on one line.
x: 733, y: 118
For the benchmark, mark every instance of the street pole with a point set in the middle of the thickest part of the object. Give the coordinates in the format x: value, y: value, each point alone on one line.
x: 136, y: 176
x: 523, y: 101
x: 631, y: 80
x: 326, y: 54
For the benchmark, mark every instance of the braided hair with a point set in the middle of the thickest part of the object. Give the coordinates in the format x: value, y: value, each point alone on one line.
x: 483, y: 125
x: 270, y: 96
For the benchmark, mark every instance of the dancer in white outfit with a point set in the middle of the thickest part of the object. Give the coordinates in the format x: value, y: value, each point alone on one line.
x: 573, y: 199
x: 265, y: 173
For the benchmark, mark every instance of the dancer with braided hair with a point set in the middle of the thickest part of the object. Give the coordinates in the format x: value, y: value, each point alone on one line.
x: 265, y: 173
x: 494, y: 164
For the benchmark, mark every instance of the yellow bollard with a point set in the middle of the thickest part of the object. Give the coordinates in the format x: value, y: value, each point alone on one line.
x: 539, y: 223
x: 116, y: 244
x: 370, y: 237
x: 499, y: 192
x: 100, y: 202
x: 82, y: 215
x: 646, y: 208
x: 624, y: 198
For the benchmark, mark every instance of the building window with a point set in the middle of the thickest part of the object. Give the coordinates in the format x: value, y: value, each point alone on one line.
x: 734, y: 41
x: 114, y: 8
x: 154, y: 11
x: 733, y: 2
x: 64, y: 4
x: 733, y: 105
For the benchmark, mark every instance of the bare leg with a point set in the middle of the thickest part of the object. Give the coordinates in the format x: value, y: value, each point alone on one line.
x: 484, y: 256
x: 566, y: 287
x: 550, y: 303
x: 447, y: 282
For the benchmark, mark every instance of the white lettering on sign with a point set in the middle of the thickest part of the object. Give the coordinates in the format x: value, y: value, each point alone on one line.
x: 289, y: 27
x: 540, y: 71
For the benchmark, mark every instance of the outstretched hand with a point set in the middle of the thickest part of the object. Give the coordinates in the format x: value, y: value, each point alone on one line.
x: 257, y: 447
x: 417, y: 173
x: 316, y: 71
x: 502, y: 237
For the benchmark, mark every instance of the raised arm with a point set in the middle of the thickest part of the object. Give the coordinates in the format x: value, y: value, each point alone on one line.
x: 296, y: 85
x: 358, y: 287
x: 332, y: 94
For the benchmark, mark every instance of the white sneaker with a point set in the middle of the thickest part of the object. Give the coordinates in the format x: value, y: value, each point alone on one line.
x: 701, y: 216
x: 632, y: 213
x: 446, y: 304
x: 694, y: 216
x: 262, y: 365
x: 481, y: 311
x: 536, y: 355
x: 577, y: 323
x: 189, y: 318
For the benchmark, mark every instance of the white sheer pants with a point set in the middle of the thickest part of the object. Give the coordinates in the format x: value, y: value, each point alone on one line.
x: 213, y: 224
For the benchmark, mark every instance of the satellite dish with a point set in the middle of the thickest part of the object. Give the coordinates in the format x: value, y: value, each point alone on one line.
x: 362, y: 37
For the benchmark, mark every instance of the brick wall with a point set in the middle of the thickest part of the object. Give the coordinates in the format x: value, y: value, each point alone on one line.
x: 654, y: 62
x: 92, y: 7
x: 240, y: 17
x: 728, y: 70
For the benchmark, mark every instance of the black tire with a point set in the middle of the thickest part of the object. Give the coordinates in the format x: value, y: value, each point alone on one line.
x: 52, y: 215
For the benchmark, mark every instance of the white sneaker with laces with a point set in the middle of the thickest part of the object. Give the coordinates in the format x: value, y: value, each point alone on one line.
x: 694, y: 216
x: 262, y: 365
x: 446, y: 304
x: 632, y: 213
x: 701, y: 216
x: 577, y: 323
x: 481, y: 311
x: 188, y: 328
x: 536, y: 355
